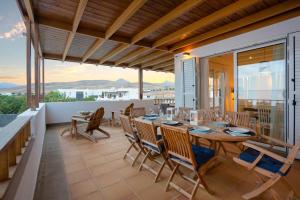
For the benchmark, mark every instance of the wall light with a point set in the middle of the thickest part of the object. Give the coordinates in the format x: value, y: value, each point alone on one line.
x: 186, y: 55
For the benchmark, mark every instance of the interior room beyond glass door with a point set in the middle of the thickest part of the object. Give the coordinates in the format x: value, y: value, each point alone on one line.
x: 261, y: 87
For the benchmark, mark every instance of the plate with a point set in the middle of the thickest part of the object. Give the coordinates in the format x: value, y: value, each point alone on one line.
x: 201, y: 129
x: 172, y: 123
x: 150, y: 115
x: 238, y: 130
x: 150, y: 118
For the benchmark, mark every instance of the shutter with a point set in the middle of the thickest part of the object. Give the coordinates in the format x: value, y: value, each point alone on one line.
x: 294, y: 88
x: 189, y: 83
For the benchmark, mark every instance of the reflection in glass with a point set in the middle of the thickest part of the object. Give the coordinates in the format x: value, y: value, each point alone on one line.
x: 261, y: 87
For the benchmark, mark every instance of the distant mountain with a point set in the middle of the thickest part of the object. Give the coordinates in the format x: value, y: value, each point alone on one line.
x: 7, y: 85
x: 90, y: 84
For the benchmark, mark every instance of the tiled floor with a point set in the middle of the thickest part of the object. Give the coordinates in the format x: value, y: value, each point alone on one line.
x: 79, y: 169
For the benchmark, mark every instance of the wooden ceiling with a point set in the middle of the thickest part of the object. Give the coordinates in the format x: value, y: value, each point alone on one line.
x: 143, y: 33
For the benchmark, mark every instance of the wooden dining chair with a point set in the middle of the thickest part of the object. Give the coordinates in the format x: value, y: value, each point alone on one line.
x: 138, y: 111
x: 268, y: 166
x: 153, y: 144
x: 264, y: 118
x: 132, y: 137
x: 242, y: 119
x: 88, y: 126
x: 182, y: 153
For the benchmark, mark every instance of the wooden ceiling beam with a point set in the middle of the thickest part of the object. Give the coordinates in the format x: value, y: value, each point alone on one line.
x: 126, y: 14
x: 164, y: 64
x: 157, y: 61
x: 132, y: 55
x: 259, y: 16
x: 147, y: 58
x: 79, y: 12
x: 95, y: 33
x: 179, y: 10
x: 252, y: 27
x: 31, y: 17
x: 219, y: 14
x: 167, y: 68
x: 112, y: 53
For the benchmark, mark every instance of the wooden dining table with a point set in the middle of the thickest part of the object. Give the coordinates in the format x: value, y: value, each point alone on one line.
x: 216, y: 136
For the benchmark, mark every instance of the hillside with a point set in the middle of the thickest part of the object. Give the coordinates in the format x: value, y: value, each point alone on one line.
x: 89, y: 84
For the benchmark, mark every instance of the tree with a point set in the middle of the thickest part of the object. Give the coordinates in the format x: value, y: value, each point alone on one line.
x: 12, y: 104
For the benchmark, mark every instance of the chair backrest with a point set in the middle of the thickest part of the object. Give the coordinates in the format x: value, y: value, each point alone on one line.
x: 230, y: 117
x: 126, y: 124
x: 183, y: 113
x: 95, y: 119
x: 178, y: 144
x: 243, y: 119
x: 138, y: 111
x: 128, y: 110
x: 264, y: 112
x: 146, y: 132
x: 208, y: 114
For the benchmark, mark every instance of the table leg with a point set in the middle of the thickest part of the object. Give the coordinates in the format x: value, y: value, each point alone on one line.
x: 113, y: 119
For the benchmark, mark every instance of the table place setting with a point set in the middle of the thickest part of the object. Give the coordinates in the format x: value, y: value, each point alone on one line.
x: 238, y: 131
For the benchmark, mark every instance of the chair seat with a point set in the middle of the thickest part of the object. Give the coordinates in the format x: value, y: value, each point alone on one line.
x: 202, y: 155
x: 268, y: 163
x: 154, y: 148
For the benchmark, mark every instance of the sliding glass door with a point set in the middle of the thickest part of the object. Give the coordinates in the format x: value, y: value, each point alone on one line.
x: 261, y: 87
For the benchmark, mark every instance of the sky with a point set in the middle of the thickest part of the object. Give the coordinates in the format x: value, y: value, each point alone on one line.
x: 13, y: 59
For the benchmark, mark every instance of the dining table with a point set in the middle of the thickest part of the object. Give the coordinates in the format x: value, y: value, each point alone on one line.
x: 217, y: 132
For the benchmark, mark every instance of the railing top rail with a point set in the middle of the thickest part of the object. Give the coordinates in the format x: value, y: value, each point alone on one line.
x: 8, y: 132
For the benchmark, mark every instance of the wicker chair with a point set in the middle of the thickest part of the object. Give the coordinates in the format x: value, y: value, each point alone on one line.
x: 132, y: 137
x: 268, y: 166
x: 183, y: 153
x: 153, y: 143
x: 88, y: 127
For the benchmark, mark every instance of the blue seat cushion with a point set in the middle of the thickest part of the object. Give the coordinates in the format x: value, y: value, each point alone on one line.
x: 202, y: 155
x: 268, y: 163
x: 154, y: 148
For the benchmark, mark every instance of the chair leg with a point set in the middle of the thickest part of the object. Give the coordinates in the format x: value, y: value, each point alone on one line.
x: 264, y: 187
x: 144, y: 160
x: 159, y: 171
x: 172, y: 175
x: 203, y: 183
x: 104, y: 132
x: 131, y: 145
x: 137, y: 156
x: 195, y: 188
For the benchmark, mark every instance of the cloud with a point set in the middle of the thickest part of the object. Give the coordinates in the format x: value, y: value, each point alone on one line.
x: 17, y: 31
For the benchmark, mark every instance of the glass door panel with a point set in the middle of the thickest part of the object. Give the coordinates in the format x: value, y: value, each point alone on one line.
x: 262, y: 87
x: 217, y: 90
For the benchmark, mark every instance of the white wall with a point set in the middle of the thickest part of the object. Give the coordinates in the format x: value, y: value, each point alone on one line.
x: 61, y: 112
x: 259, y: 36
x: 27, y: 184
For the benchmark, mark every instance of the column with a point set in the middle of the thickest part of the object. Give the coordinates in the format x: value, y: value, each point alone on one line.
x: 43, y: 79
x: 28, y: 63
x: 140, y: 83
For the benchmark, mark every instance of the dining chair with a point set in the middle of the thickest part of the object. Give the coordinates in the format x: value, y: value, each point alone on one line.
x: 138, y: 111
x: 242, y: 119
x: 128, y: 110
x: 153, y: 144
x: 264, y: 117
x: 268, y: 166
x: 181, y: 152
x: 132, y: 137
x: 88, y: 126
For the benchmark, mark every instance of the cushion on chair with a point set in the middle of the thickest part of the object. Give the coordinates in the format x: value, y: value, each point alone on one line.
x: 268, y: 163
x: 202, y: 155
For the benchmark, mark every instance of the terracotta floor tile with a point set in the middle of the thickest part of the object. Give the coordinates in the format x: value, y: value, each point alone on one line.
x: 69, y: 168
x: 82, y: 188
x: 92, y: 196
x: 140, y: 181
x: 78, y: 176
x: 118, y: 191
x: 107, y: 179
